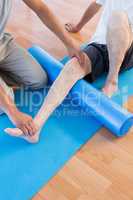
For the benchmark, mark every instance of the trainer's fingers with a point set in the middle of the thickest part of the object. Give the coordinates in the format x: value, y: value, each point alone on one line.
x: 29, y: 130
x: 69, y: 27
x: 25, y: 130
x: 32, y: 128
x: 81, y: 58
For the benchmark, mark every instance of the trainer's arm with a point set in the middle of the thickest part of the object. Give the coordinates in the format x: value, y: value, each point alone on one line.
x: 19, y: 119
x: 89, y: 14
x: 6, y: 103
x: 52, y: 22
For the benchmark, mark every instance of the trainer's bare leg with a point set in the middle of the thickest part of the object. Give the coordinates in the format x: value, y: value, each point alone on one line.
x: 71, y: 73
x: 119, y: 39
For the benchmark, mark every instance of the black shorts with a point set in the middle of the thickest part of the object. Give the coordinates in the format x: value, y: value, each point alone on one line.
x: 98, y: 54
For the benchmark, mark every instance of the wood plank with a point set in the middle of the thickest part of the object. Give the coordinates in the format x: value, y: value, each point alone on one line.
x: 37, y: 197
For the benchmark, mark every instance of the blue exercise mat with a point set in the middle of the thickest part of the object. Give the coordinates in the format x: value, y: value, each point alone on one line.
x: 25, y: 168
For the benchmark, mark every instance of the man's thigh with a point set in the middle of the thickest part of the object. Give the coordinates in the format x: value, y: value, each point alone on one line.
x: 98, y: 55
x: 20, y: 68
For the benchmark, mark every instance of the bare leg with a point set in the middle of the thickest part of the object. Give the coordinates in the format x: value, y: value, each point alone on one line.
x: 119, y: 39
x: 70, y: 74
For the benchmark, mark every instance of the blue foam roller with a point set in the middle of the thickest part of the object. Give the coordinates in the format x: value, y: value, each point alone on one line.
x: 105, y: 110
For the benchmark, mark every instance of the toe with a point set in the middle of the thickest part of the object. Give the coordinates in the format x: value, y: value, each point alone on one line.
x: 13, y: 131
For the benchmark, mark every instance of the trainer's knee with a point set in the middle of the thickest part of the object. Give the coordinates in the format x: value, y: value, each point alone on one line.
x: 39, y: 81
x: 118, y: 21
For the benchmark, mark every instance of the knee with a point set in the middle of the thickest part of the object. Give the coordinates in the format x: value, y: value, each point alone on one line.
x: 118, y: 21
x: 75, y: 70
x: 39, y: 81
x: 72, y: 70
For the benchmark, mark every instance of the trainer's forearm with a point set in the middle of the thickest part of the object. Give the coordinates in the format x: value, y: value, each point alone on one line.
x: 6, y: 103
x: 49, y: 19
x: 89, y: 14
x: 52, y: 22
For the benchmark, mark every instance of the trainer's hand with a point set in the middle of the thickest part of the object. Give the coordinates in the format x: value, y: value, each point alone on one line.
x: 25, y: 123
x: 72, y: 28
x: 75, y: 51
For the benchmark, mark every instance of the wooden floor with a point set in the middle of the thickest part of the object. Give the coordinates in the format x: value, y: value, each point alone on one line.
x: 103, y: 168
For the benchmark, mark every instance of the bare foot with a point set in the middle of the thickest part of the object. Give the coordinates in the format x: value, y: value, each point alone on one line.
x: 16, y: 132
x: 23, y: 122
x: 27, y: 128
x: 72, y: 28
x: 110, y: 88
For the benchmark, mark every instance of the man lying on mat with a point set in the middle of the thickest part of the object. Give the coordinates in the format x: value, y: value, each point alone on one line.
x: 111, y: 46
x: 17, y: 66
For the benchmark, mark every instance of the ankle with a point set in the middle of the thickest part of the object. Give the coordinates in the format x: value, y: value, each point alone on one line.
x: 112, y: 82
x: 38, y: 123
x: 35, y: 139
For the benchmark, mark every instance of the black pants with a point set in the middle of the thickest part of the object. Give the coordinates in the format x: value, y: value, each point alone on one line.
x: 98, y: 54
